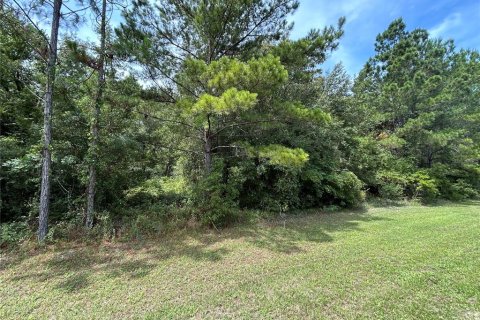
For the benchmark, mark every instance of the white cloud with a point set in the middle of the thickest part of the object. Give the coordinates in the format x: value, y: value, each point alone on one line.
x: 446, y: 27
x: 318, y: 14
x: 344, y: 56
x: 360, y: 29
x: 447, y: 19
x: 354, y: 8
x: 462, y: 26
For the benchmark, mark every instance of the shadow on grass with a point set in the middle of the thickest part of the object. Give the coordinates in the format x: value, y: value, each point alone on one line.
x: 388, y: 203
x: 71, y: 269
x: 385, y: 203
x: 74, y: 282
x: 462, y: 203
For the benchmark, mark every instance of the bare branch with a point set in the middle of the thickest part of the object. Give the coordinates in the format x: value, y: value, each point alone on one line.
x: 168, y: 120
x: 31, y: 21
x: 239, y: 124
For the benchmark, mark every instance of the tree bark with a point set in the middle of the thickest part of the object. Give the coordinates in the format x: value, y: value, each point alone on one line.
x: 1, y: 162
x: 47, y: 124
x: 96, y: 118
x: 1, y: 173
x: 207, y: 151
x: 207, y: 147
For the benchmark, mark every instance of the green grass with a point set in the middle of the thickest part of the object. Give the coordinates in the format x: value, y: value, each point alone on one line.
x: 408, y: 262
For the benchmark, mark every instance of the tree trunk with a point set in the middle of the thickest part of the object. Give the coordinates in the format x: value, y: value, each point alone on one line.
x: 47, y: 124
x: 1, y: 173
x: 207, y: 147
x: 96, y: 118
x: 207, y: 151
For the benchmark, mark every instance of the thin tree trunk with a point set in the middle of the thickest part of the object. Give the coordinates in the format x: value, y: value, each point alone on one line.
x: 1, y: 161
x: 96, y: 118
x: 1, y: 173
x: 47, y: 124
x: 207, y: 151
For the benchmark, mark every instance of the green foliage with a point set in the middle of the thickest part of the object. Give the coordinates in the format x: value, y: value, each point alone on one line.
x: 19, y: 117
x: 206, y: 30
x: 420, y: 95
x: 282, y: 194
x: 13, y: 233
x: 277, y: 155
x: 314, y: 115
x: 260, y: 74
x: 461, y: 190
x: 303, y: 56
x: 456, y: 184
x: 231, y: 116
x: 216, y: 195
x: 424, y: 186
x: 232, y: 100
x: 392, y: 184
x: 145, y: 225
x: 391, y: 191
x: 154, y: 190
x: 346, y: 189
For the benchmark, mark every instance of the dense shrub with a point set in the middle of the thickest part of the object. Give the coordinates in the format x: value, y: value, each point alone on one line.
x: 391, y: 191
x: 13, y: 233
x: 161, y: 189
x: 216, y: 195
x: 392, y: 185
x: 461, y: 190
x: 424, y: 186
x: 345, y: 188
x: 456, y: 183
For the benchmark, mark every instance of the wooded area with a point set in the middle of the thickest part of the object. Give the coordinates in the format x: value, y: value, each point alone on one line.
x: 208, y: 111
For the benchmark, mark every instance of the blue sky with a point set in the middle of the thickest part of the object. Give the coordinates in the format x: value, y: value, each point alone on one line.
x: 455, y: 19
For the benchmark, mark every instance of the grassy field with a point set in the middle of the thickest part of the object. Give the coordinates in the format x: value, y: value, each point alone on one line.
x: 408, y: 262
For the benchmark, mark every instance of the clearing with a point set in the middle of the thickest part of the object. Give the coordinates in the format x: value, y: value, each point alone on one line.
x: 406, y: 262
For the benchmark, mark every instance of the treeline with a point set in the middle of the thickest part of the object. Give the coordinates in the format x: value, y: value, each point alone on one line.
x: 206, y: 111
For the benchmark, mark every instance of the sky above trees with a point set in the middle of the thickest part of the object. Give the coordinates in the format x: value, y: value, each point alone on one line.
x: 457, y: 19
x: 446, y: 19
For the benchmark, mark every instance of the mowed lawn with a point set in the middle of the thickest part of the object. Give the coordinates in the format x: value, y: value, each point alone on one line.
x: 407, y: 262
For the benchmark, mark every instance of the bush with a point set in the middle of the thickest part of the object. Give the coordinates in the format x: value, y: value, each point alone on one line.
x: 283, y: 192
x: 320, y: 188
x: 461, y: 190
x: 456, y: 184
x: 346, y: 189
x: 392, y: 185
x: 352, y: 194
x: 103, y: 227
x: 425, y: 187
x: 146, y: 225
x: 164, y: 189
x: 312, y: 186
x: 13, y: 233
x: 391, y: 191
x: 216, y: 195
x: 269, y: 187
